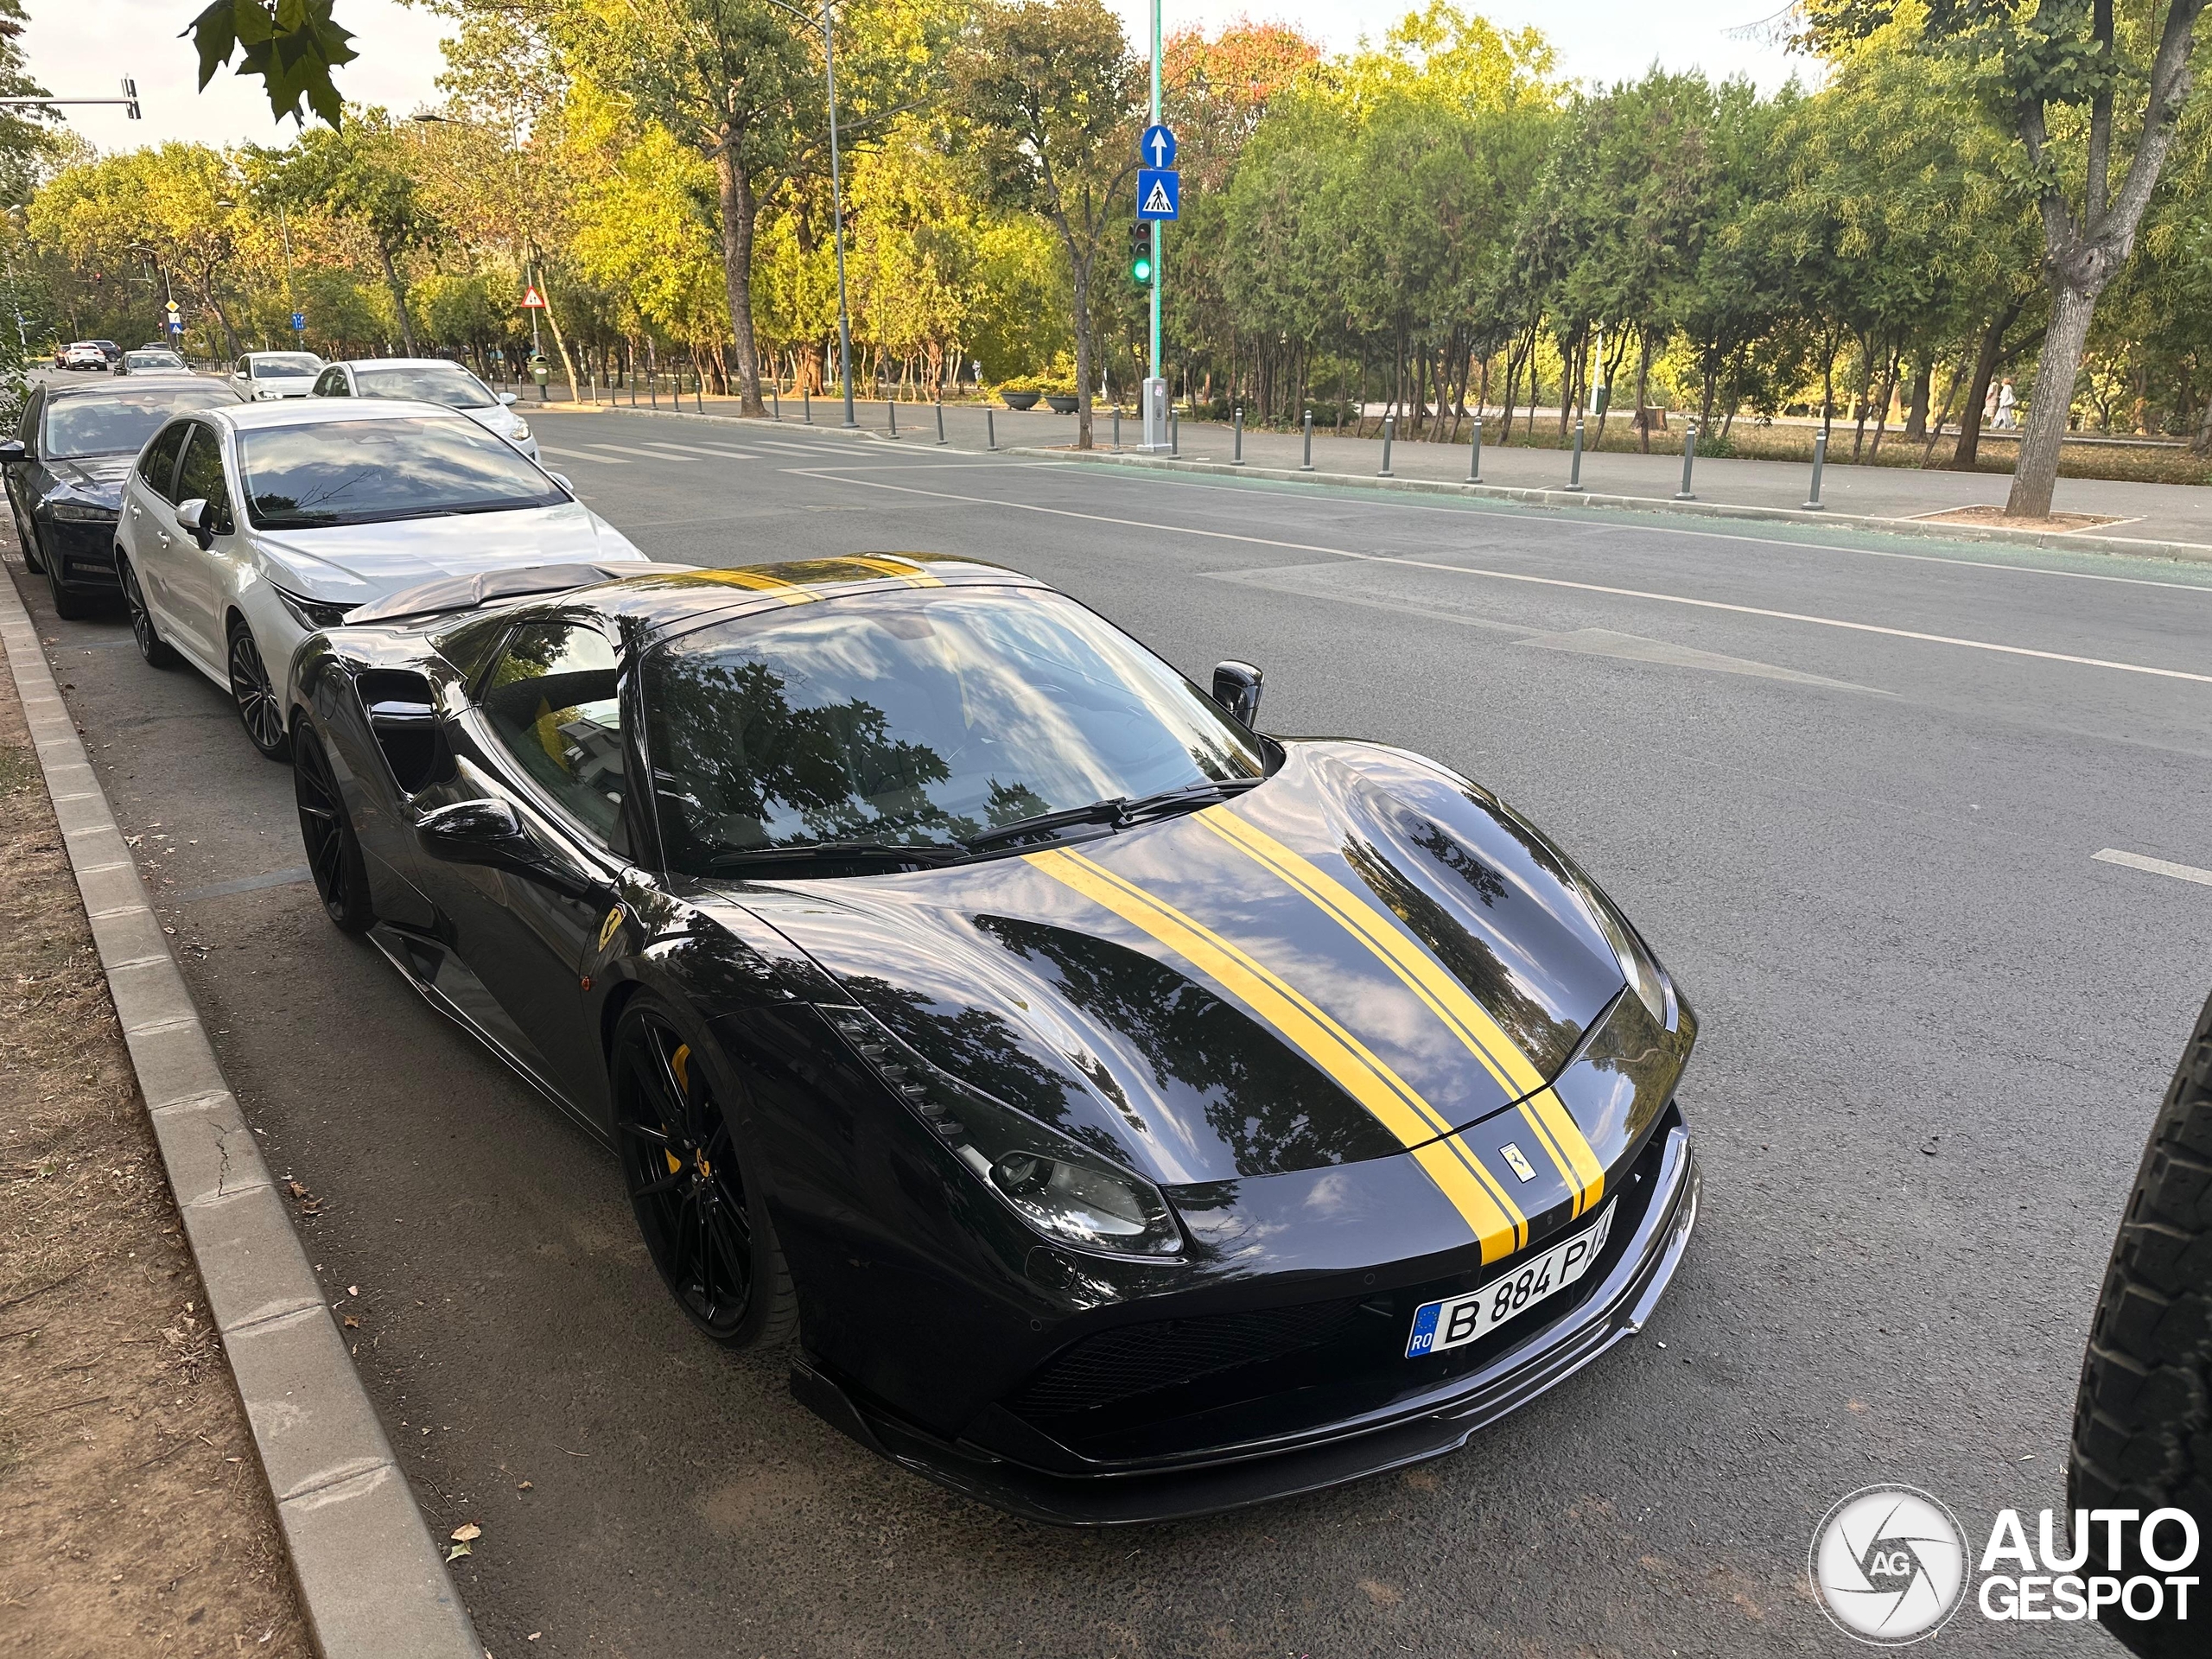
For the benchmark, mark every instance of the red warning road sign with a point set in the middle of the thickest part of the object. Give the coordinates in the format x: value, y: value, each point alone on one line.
x: 532, y: 300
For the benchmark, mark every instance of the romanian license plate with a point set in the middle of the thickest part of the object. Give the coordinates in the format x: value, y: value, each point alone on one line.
x: 1459, y: 1320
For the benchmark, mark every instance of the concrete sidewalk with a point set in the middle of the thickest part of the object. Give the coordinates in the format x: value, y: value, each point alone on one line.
x: 2179, y: 513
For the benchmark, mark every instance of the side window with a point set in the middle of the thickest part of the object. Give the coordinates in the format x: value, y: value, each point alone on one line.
x: 201, y: 477
x: 550, y: 696
x: 158, y: 465
x: 243, y: 368
x: 333, y: 384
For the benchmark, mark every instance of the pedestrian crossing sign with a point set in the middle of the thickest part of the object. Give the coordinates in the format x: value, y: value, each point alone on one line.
x: 1158, y: 191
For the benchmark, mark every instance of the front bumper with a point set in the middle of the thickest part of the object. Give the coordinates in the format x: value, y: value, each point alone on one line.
x: 1045, y: 1480
x: 79, y: 553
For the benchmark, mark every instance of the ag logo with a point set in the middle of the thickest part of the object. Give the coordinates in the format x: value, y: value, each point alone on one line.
x: 1889, y: 1565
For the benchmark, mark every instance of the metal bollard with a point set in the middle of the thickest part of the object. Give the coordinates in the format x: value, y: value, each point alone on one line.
x: 940, y: 419
x: 1689, y: 455
x: 1117, y: 426
x: 776, y: 398
x: 699, y: 391
x: 1306, y: 465
x: 892, y: 404
x: 1389, y: 434
x: 1574, y: 470
x: 1175, y: 423
x: 1820, y: 459
x: 652, y: 387
x: 806, y: 406
x: 991, y: 428
x: 1237, y: 459
x: 1475, y: 453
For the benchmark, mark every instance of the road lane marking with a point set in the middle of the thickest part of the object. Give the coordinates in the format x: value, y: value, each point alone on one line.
x: 581, y: 455
x: 1634, y: 648
x: 2156, y: 866
x: 700, y: 450
x: 649, y: 454
x: 1548, y: 581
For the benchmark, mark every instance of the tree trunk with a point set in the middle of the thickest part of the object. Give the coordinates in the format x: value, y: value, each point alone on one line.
x: 739, y: 208
x: 2036, y: 473
x: 1916, y: 419
x: 398, y: 298
x: 559, y: 340
x: 1968, y: 449
x: 1643, y: 385
x: 1081, y: 344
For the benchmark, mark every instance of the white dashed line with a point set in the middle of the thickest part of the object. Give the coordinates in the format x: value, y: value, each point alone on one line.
x: 2156, y: 866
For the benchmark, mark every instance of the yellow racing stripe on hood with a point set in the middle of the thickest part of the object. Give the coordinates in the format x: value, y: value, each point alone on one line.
x: 1481, y: 1199
x: 912, y: 575
x: 1547, y: 1116
x: 790, y: 592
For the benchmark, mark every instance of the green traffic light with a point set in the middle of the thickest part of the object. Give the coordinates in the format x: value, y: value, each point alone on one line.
x: 1142, y: 271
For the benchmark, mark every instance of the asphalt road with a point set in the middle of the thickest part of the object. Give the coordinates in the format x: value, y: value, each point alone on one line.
x: 1859, y: 833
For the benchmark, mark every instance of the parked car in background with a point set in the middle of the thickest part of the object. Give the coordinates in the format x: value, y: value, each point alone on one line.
x: 89, y: 354
x: 64, y: 469
x: 260, y: 375
x: 151, y: 359
x: 244, y: 530
x: 434, y: 380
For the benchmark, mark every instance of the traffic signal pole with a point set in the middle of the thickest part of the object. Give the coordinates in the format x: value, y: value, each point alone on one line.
x: 1155, y: 385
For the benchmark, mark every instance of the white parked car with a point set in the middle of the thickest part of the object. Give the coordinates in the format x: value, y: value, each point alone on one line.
x: 247, y: 528
x: 89, y: 354
x: 260, y: 375
x: 433, y: 380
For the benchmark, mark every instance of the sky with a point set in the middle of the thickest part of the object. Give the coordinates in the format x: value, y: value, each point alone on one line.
x: 83, y: 46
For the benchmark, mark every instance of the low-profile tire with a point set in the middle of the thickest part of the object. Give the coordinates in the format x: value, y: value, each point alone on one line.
x: 27, y: 533
x: 695, y: 1188
x: 342, y: 876
x: 68, y: 604
x: 254, y: 694
x: 156, y: 650
x: 2143, y: 1418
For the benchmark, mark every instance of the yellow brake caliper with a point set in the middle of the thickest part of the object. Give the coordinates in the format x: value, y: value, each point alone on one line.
x: 680, y: 1064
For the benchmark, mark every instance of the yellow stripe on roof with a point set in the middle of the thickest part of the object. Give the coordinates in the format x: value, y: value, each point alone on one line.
x: 1547, y: 1116
x: 1481, y: 1199
x: 912, y: 575
x: 790, y: 593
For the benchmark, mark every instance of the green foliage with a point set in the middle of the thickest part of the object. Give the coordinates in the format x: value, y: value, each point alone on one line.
x: 290, y: 45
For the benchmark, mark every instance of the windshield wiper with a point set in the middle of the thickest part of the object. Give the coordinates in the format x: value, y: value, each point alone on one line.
x: 1120, y: 810
x: 840, y: 852
x: 1188, y: 795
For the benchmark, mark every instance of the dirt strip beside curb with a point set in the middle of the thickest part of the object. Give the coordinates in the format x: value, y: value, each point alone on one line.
x: 370, y: 1579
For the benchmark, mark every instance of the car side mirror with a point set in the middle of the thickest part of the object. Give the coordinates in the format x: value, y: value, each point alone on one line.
x: 199, y: 521
x: 490, y: 832
x: 1236, y: 688
x: 507, y: 398
x: 12, y: 450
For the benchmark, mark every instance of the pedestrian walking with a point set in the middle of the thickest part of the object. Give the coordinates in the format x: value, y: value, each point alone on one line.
x: 1989, y: 406
x: 2005, y: 401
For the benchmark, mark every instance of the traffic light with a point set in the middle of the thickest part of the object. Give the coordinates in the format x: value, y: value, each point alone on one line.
x: 1140, y: 254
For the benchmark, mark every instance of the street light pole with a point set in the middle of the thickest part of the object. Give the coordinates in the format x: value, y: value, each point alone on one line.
x: 837, y: 222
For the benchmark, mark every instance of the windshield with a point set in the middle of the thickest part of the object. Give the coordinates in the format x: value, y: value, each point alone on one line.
x: 920, y: 718
x: 153, y: 360
x: 451, y: 385
x: 291, y: 367
x: 119, y: 423
x: 366, y: 471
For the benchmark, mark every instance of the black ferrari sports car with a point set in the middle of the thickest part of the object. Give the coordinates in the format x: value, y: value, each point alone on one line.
x: 1131, y: 1114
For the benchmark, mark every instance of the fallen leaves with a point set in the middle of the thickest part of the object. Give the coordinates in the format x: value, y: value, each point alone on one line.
x: 463, y: 1535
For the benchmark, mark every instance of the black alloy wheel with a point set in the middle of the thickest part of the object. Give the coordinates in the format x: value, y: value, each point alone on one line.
x: 341, y: 877
x: 255, y: 696
x: 703, y: 1223
x: 151, y: 645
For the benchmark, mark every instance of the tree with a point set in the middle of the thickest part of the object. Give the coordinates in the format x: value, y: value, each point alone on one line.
x: 1052, y: 93
x: 359, y: 174
x: 2059, y: 74
x: 292, y: 45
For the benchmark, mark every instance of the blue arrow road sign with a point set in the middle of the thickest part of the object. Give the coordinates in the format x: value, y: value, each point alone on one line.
x: 1158, y: 191
x: 299, y: 322
x: 1157, y: 147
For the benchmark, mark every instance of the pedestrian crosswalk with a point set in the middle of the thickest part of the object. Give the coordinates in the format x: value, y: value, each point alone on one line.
x: 580, y: 455
x: 703, y: 450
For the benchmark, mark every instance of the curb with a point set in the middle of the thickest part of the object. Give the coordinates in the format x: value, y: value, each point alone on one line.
x: 1558, y: 500
x: 370, y: 1579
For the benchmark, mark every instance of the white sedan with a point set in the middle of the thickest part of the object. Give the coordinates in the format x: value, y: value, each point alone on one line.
x: 266, y: 376
x: 246, y: 529
x: 433, y: 380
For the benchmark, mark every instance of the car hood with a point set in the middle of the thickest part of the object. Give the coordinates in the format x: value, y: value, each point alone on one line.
x: 97, y: 477
x: 351, y: 563
x: 1166, y: 991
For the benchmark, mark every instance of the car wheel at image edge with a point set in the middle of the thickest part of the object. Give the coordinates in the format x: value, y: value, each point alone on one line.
x: 255, y: 696
x: 68, y: 604
x: 151, y: 645
x: 341, y: 876
x: 697, y: 1195
x: 2142, y: 1419
x: 26, y: 535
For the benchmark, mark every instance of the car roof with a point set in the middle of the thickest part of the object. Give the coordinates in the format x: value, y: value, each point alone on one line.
x: 319, y: 411
x: 405, y: 363
x: 58, y: 389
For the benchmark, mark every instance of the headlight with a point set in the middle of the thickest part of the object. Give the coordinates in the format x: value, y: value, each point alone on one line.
x: 81, y: 512
x: 1645, y: 977
x: 312, y: 613
x: 521, y: 431
x: 1063, y: 1190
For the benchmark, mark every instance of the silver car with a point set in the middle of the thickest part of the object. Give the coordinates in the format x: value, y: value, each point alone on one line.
x: 259, y: 377
x: 247, y: 528
x: 434, y: 380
